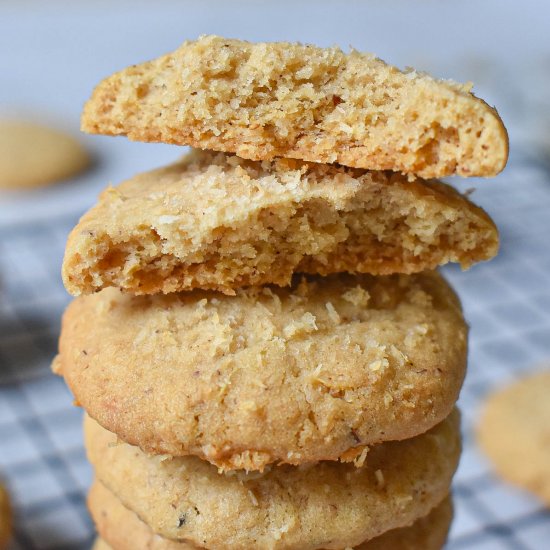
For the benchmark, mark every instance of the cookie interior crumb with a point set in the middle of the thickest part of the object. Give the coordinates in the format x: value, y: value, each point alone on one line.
x: 270, y: 100
x: 215, y: 221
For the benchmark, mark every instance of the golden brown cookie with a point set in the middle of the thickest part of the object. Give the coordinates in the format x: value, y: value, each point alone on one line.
x: 514, y: 432
x: 32, y: 155
x: 5, y: 517
x: 215, y: 221
x: 263, y: 101
x: 311, y: 372
x: 427, y: 533
x: 125, y: 531
x: 100, y: 544
x: 323, y: 505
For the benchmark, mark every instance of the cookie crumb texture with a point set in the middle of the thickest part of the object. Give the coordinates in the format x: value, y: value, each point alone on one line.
x: 313, y: 372
x: 123, y: 530
x: 325, y: 505
x: 215, y: 221
x: 269, y: 100
x: 514, y: 432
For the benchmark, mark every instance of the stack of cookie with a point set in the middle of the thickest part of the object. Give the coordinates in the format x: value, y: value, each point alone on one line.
x: 266, y: 356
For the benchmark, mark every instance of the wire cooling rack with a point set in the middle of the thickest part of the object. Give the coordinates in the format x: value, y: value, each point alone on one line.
x: 507, y: 302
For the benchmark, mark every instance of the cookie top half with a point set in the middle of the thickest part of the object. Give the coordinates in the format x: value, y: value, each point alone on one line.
x: 324, y: 505
x: 215, y: 221
x: 315, y: 371
x: 123, y: 530
x: 269, y: 100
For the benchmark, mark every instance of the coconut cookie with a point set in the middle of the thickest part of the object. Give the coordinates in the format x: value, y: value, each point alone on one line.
x: 5, y: 517
x: 215, y: 221
x: 427, y: 533
x: 514, y: 432
x: 269, y: 100
x: 324, y: 505
x: 311, y: 372
x: 32, y: 155
x: 125, y: 531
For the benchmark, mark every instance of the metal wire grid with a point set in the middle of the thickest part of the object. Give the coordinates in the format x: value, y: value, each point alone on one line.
x: 41, y: 454
x: 507, y: 303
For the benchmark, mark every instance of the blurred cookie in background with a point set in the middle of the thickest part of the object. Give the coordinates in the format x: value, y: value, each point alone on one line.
x: 33, y: 155
x: 5, y: 517
x: 514, y: 432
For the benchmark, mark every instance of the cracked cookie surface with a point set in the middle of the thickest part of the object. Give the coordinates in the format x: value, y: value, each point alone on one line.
x: 311, y: 372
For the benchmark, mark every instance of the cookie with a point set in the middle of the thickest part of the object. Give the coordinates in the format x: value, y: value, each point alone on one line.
x: 324, y: 505
x: 311, y: 372
x: 32, y: 155
x: 269, y: 100
x: 217, y: 222
x: 5, y: 517
x: 514, y: 432
x: 427, y: 533
x: 125, y: 531
x: 100, y: 544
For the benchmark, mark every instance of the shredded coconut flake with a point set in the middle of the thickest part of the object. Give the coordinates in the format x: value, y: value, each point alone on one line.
x: 305, y: 325
x: 253, y: 498
x: 357, y: 296
x: 332, y: 313
x: 168, y: 219
x: 379, y: 478
x: 360, y: 460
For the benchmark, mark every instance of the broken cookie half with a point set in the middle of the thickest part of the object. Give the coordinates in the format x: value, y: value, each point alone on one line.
x: 268, y: 100
x: 217, y: 222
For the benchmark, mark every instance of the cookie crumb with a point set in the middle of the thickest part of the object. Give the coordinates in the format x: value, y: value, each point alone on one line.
x: 357, y: 296
x: 305, y: 325
x: 379, y: 478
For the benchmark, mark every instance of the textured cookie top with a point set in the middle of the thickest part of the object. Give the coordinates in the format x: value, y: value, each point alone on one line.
x: 32, y: 155
x: 312, y: 372
x: 514, y: 432
x: 215, y: 221
x: 324, y: 505
x: 278, y: 99
x: 125, y: 531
